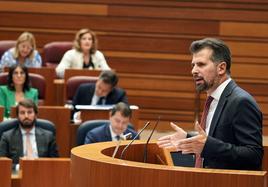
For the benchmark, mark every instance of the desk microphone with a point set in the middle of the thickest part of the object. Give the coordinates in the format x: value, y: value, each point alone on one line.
x: 147, y: 142
x: 125, y: 137
x: 125, y: 148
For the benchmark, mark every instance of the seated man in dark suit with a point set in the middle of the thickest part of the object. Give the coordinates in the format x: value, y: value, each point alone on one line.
x: 119, y: 119
x: 104, y: 92
x: 26, y: 139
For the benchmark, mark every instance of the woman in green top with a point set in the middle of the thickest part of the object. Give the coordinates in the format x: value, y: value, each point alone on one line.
x: 17, y: 88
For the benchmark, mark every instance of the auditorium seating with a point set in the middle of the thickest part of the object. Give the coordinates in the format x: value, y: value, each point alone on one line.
x: 5, y: 45
x: 54, y: 51
x: 72, y: 85
x: 37, y: 81
x: 150, y: 41
x: 12, y: 123
x: 87, y: 126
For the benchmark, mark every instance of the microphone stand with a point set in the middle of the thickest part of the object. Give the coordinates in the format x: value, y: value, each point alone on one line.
x: 126, y: 137
x: 147, y: 142
x: 125, y: 148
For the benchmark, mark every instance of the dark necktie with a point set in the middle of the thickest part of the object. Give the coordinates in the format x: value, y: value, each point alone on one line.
x: 101, y: 101
x: 198, y: 160
x: 117, y: 137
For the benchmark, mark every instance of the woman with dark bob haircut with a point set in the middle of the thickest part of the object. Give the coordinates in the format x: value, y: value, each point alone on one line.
x: 18, y: 87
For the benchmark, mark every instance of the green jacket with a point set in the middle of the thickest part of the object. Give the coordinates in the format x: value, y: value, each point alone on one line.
x: 7, y: 98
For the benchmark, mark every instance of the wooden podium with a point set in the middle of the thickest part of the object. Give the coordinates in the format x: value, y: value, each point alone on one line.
x: 5, y: 172
x: 92, y: 165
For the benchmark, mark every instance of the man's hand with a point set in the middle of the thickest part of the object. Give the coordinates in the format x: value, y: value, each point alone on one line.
x: 194, y: 144
x: 171, y: 141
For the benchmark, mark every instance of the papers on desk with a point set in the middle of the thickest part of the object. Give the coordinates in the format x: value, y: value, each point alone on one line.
x: 101, y: 107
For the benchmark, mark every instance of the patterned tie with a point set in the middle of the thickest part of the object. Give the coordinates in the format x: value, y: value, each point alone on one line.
x: 198, y: 160
x: 29, y: 148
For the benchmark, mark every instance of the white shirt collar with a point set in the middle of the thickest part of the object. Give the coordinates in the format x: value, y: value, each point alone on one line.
x: 23, y: 132
x: 217, y: 93
x: 113, y: 135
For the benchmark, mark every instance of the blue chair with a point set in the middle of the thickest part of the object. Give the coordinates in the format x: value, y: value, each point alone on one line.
x: 13, y: 123
x: 89, y: 125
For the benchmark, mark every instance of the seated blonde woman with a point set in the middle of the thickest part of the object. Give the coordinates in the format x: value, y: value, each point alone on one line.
x: 23, y: 53
x: 17, y: 88
x: 84, y: 54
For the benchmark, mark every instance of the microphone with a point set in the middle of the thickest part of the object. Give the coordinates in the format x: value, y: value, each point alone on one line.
x: 147, y: 142
x: 125, y: 148
x: 125, y: 137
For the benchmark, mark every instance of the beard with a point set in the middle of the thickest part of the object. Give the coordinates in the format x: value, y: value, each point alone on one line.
x: 27, y: 124
x: 205, y: 85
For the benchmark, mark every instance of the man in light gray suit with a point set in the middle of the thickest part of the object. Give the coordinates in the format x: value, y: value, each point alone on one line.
x: 26, y: 139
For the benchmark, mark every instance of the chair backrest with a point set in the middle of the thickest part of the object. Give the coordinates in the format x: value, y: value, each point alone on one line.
x: 12, y: 123
x: 5, y: 45
x: 89, y: 125
x: 54, y: 51
x: 37, y: 81
x: 73, y: 83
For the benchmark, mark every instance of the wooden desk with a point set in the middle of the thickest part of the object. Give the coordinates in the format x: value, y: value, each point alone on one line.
x: 5, y: 172
x: 103, y: 113
x: 60, y: 116
x: 80, y: 72
x: 45, y: 172
x: 92, y: 165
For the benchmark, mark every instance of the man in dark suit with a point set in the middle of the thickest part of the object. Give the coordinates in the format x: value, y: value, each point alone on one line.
x: 119, y: 119
x: 232, y: 133
x: 104, y: 92
x: 27, y: 140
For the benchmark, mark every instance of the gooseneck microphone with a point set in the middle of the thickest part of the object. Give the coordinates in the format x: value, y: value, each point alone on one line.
x: 125, y: 148
x: 126, y: 137
x: 147, y: 142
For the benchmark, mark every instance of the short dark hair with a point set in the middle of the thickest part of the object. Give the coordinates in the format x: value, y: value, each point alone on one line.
x: 123, y: 108
x: 221, y: 51
x: 10, y: 83
x: 109, y: 77
x: 27, y: 103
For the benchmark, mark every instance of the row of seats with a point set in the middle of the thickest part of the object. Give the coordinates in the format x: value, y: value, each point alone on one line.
x: 48, y: 125
x: 39, y: 82
x: 52, y: 52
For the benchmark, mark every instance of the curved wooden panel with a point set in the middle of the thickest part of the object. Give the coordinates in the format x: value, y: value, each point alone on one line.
x: 91, y: 165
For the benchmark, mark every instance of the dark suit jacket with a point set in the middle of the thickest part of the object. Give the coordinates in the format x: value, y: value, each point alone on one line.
x: 103, y: 134
x: 235, y: 136
x: 85, y: 92
x: 11, y: 144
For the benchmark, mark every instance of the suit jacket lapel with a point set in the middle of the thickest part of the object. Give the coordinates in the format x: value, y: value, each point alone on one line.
x: 222, y: 102
x: 18, y: 141
x: 39, y: 140
x: 107, y: 132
